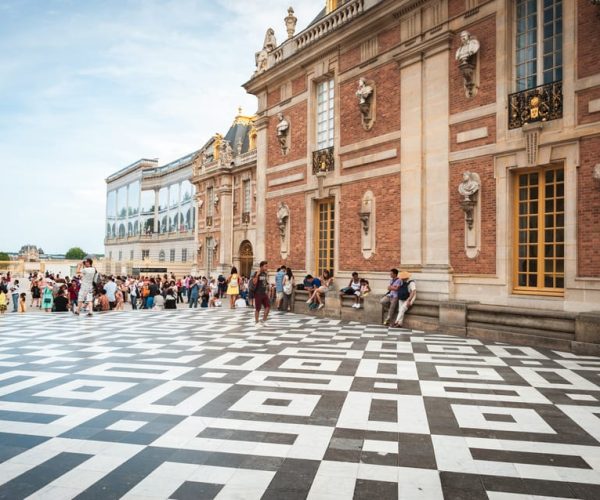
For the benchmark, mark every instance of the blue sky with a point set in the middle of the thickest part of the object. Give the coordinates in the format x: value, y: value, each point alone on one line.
x: 89, y: 86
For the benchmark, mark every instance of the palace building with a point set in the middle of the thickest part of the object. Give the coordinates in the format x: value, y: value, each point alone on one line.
x: 455, y: 139
x: 194, y: 215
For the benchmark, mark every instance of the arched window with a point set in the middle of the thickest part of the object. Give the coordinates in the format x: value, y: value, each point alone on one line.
x: 161, y: 256
x: 121, y: 230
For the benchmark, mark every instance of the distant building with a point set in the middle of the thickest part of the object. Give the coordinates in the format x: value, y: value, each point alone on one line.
x: 30, y: 253
x: 150, y: 218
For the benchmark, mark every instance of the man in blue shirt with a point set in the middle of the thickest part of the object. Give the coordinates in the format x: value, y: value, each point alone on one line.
x: 310, y: 285
x: 279, y: 286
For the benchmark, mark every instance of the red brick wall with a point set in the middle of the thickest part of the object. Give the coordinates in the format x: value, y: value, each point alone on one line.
x: 285, y: 173
x: 350, y: 58
x: 486, y: 121
x: 387, y: 117
x: 299, y: 85
x: 297, y: 254
x: 485, y: 31
x: 485, y: 262
x: 296, y: 115
x: 583, y: 98
x: 388, y: 39
x: 273, y: 97
x: 588, y: 28
x: 386, y: 191
x: 456, y: 7
x: 588, y: 210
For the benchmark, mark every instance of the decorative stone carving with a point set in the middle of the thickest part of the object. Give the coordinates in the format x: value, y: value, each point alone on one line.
x: 466, y: 56
x: 225, y: 153
x: 217, y: 146
x: 468, y: 189
x: 366, y: 102
x: 290, y: 23
x: 262, y: 56
x: 366, y: 216
x: 283, y: 133
x: 283, y: 219
x: 238, y: 147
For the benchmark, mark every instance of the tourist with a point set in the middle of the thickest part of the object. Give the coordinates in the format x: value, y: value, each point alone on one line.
x: 171, y: 297
x: 353, y: 287
x: 364, y: 291
x: 391, y: 297
x: 119, y: 300
x: 88, y: 275
x: 194, y: 293
x: 36, y: 293
x: 260, y: 283
x: 47, y: 297
x: 318, y: 294
x: 153, y: 291
x: 73, y: 291
x: 61, y: 303
x: 14, y: 292
x: 103, y: 302
x: 311, y: 285
x: 288, y: 289
x: 111, y: 290
x: 279, y: 287
x: 23, y: 302
x: 407, y: 293
x: 133, y: 293
x: 3, y: 299
x: 233, y: 287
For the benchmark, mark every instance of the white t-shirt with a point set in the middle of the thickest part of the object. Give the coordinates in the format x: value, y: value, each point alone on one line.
x: 111, y: 289
x: 87, y: 277
x: 240, y: 303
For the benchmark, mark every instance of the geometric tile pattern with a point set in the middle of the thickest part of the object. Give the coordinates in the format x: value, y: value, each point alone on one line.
x: 202, y: 404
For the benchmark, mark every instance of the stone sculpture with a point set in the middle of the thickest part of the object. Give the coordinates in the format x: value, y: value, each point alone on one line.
x: 283, y: 128
x: 365, y: 95
x: 290, y: 23
x: 466, y: 56
x: 468, y: 189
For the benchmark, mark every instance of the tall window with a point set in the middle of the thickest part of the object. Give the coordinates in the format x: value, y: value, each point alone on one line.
x: 538, y: 42
x: 325, y: 236
x: 540, y: 231
x: 172, y: 255
x: 161, y: 256
x: 184, y: 255
x: 120, y: 255
x: 130, y: 254
x: 145, y: 254
x: 247, y: 195
x: 210, y: 201
x: 325, y: 117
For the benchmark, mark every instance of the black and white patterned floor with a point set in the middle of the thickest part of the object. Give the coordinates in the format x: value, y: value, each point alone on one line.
x: 201, y: 404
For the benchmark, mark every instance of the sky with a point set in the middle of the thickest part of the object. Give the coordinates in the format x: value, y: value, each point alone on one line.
x: 90, y: 86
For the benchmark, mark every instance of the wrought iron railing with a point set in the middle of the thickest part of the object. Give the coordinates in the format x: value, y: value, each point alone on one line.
x: 209, y: 220
x: 323, y: 160
x: 539, y: 104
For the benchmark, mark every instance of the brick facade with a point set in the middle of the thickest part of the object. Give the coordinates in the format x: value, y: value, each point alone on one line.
x: 588, y: 210
x: 488, y: 122
x: 583, y: 111
x: 296, y: 116
x: 588, y: 55
x: 485, y: 262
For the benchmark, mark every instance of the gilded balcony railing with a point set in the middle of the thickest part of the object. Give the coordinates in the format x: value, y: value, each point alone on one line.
x: 323, y: 160
x: 245, y: 217
x: 539, y: 104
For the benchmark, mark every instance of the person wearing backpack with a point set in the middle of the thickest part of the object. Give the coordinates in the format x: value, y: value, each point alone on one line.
x: 89, y: 277
x: 407, y: 293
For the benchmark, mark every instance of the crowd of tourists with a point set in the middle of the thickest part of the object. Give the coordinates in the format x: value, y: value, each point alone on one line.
x: 92, y: 291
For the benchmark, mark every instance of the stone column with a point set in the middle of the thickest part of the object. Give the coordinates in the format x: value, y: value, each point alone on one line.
x: 156, y: 221
x: 411, y: 157
x: 262, y: 159
x: 225, y: 194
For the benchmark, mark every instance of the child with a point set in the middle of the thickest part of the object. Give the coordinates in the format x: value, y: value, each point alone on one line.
x: 359, y: 295
x: 2, y: 301
x: 22, y: 303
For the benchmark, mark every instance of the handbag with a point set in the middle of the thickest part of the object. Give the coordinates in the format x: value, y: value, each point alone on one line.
x: 287, y: 288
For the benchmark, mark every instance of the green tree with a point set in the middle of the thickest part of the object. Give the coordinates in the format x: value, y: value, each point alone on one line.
x: 4, y: 256
x: 75, y: 253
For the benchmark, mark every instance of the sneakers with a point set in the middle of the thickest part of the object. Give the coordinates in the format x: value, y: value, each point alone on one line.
x: 259, y: 324
x: 309, y: 301
x: 321, y: 306
x: 386, y: 322
x: 356, y: 306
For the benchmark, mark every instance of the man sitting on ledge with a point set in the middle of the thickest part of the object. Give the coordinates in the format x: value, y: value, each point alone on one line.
x: 407, y: 294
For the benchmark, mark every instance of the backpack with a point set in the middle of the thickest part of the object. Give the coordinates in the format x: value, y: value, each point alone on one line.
x: 403, y: 292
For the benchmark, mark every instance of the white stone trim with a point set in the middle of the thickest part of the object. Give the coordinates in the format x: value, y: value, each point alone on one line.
x: 472, y: 114
x: 472, y: 135
x: 357, y: 146
x: 292, y: 164
x: 594, y: 106
x: 287, y: 179
x: 372, y: 158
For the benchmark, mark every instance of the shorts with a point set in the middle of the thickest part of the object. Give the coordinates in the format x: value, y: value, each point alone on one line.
x: 279, y: 295
x: 261, y: 300
x: 85, y: 295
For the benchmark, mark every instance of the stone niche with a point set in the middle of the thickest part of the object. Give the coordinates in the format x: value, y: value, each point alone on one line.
x: 367, y: 225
